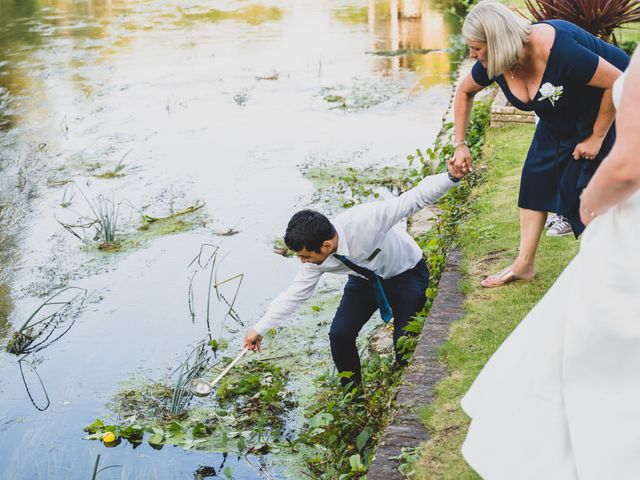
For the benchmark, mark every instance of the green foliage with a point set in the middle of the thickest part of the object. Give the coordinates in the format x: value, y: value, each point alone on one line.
x: 220, y: 344
x: 193, y: 367
x: 48, y: 323
x: 134, y: 431
x: 257, y: 392
x: 281, y: 248
x: 408, y: 456
x: 458, y: 48
x: 595, y: 16
x: 247, y: 418
x: 459, y: 8
x: 490, y: 315
x: 629, y: 46
x: 454, y: 211
x: 362, y: 94
x: 342, y: 425
x: 343, y: 188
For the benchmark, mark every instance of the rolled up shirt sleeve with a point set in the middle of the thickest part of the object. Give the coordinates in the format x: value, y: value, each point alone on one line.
x: 282, y: 308
x: 428, y: 191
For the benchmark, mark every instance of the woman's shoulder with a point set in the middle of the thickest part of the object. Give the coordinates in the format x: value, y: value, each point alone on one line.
x: 565, y: 30
x: 561, y: 25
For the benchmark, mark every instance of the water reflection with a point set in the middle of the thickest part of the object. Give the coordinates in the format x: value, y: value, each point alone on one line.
x: 38, y: 392
x: 47, y: 324
x: 401, y: 25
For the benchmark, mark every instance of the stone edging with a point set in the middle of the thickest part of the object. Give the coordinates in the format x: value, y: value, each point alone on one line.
x: 418, y: 383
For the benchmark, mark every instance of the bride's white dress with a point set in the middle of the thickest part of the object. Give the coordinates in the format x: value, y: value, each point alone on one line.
x: 560, y: 398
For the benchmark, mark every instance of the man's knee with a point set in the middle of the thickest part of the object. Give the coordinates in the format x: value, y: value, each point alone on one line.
x: 342, y: 334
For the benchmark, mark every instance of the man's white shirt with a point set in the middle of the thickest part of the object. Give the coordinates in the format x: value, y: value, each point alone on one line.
x: 369, y: 235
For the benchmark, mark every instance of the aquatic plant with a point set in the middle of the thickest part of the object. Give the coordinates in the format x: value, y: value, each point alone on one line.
x: 258, y: 393
x: 47, y: 401
x: 362, y: 94
x: 117, y: 170
x: 106, y: 212
x: 245, y: 415
x: 67, y: 197
x: 104, y: 220
x: 97, y: 470
x: 48, y: 323
x: 148, y: 220
x: 196, y: 363
x: 206, y: 259
x: 281, y: 248
x: 344, y: 187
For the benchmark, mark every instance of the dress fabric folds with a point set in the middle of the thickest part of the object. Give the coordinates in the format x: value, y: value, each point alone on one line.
x: 552, y: 179
x: 560, y: 398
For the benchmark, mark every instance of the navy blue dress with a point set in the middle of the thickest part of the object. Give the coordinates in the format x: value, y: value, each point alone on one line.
x: 551, y: 179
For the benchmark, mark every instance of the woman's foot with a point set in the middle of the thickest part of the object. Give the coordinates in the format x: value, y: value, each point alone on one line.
x: 507, y: 276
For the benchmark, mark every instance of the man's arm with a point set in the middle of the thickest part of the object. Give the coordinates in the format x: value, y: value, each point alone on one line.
x: 284, y: 305
x: 387, y: 213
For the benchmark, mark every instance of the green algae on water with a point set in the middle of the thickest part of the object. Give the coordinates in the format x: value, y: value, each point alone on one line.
x: 251, y: 14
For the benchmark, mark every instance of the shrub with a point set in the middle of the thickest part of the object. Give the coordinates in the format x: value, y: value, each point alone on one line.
x: 599, y: 17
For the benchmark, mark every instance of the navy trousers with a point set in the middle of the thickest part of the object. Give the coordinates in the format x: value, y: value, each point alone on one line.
x: 406, y: 295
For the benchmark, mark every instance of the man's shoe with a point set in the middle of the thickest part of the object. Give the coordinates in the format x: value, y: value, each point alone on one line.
x: 560, y: 228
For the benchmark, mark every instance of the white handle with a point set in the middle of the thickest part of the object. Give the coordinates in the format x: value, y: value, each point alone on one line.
x: 229, y: 367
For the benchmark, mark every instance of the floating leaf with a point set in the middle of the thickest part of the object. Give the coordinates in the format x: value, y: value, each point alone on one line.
x: 156, y: 439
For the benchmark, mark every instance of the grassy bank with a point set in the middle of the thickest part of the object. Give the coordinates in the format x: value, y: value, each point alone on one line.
x: 489, y: 241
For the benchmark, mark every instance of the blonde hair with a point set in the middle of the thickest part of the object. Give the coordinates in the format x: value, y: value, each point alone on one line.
x: 504, y: 32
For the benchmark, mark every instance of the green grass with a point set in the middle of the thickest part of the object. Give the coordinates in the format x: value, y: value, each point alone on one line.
x: 489, y: 242
x: 629, y: 32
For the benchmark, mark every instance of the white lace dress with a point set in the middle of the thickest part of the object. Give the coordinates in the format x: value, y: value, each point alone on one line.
x: 560, y: 398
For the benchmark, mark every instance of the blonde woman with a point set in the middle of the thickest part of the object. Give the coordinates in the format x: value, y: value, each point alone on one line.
x: 565, y: 75
x: 560, y: 398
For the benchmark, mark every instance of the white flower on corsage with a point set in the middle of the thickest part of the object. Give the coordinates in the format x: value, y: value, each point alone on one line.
x: 550, y: 92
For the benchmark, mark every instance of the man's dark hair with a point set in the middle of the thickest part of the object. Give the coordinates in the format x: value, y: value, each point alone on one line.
x: 308, y: 229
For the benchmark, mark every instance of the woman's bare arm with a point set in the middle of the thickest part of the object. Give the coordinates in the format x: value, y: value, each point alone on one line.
x: 603, y: 77
x: 462, y: 105
x: 619, y: 175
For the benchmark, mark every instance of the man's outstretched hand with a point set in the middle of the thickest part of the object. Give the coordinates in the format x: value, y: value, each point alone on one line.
x: 253, y: 341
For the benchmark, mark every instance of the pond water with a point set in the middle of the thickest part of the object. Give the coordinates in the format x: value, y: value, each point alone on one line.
x: 178, y: 103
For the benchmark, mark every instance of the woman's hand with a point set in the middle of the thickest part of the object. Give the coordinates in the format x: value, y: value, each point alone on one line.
x: 462, y: 159
x: 588, y: 148
x: 585, y: 218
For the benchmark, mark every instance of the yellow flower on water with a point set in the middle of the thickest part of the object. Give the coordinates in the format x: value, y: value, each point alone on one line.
x: 108, y: 437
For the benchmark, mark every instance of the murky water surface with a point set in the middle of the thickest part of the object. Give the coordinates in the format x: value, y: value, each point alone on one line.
x: 179, y: 102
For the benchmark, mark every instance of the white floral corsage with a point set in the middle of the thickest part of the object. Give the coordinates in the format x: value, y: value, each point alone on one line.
x: 550, y: 92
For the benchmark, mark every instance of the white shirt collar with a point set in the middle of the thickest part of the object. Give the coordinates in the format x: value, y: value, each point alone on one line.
x: 343, y: 248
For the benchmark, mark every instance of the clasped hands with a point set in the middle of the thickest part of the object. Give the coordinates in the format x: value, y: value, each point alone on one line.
x: 461, y: 163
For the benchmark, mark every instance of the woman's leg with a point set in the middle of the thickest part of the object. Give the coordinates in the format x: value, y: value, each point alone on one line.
x: 523, y: 268
x: 531, y: 226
